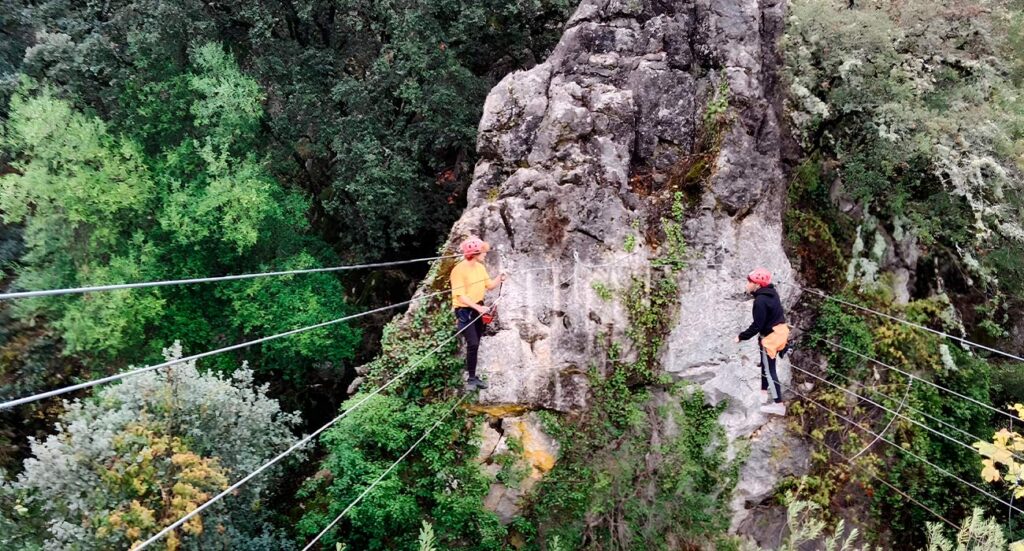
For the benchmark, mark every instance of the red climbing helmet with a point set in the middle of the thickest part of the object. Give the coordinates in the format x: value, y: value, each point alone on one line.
x: 760, y: 276
x: 473, y: 246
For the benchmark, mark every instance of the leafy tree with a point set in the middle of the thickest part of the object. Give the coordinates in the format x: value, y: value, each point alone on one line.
x: 411, y: 79
x: 438, y: 483
x: 912, y: 112
x: 100, y: 207
x: 914, y: 105
x: 372, y: 106
x: 143, y: 453
x: 14, y: 26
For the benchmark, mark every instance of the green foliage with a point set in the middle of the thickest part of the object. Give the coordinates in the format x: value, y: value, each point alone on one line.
x: 513, y: 468
x: 427, y: 541
x: 78, y: 193
x: 556, y: 544
x: 719, y: 104
x: 603, y: 291
x: 915, y: 109
x: 821, y: 261
x: 629, y: 243
x: 143, y: 453
x: 813, y: 240
x: 14, y: 25
x: 100, y: 208
x: 232, y: 106
x: 807, y: 527
x: 438, y: 484
x: 835, y: 324
x: 372, y: 106
x: 1005, y: 261
x: 1007, y: 383
x: 649, y: 305
x: 674, y: 252
x: 610, y: 489
x: 977, y: 533
x: 926, y: 356
x: 814, y: 490
x: 408, y: 342
x: 591, y: 499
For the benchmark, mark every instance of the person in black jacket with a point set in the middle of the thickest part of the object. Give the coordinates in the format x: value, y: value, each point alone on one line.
x: 772, y: 334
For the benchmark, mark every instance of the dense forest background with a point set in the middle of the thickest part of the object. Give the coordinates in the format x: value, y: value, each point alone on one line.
x: 151, y: 140
x: 148, y: 139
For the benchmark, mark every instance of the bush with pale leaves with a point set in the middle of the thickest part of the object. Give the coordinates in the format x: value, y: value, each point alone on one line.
x: 141, y: 454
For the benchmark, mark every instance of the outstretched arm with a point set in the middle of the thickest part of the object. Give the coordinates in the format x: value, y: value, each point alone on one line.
x: 759, y: 315
x: 492, y: 283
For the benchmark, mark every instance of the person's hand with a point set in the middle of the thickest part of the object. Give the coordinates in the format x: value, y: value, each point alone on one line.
x: 482, y: 309
x: 736, y: 339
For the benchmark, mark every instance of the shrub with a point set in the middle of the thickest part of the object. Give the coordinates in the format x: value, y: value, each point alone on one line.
x: 144, y: 452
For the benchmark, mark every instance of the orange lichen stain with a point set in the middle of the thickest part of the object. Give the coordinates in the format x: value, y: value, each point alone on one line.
x: 539, y: 457
x: 499, y: 410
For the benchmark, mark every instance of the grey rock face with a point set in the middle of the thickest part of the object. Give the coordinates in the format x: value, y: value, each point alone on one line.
x: 537, y: 457
x: 577, y: 156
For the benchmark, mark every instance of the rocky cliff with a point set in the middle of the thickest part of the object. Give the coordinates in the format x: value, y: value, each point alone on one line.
x: 643, y: 103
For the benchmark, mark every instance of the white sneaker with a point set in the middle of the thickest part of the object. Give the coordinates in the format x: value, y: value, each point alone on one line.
x: 774, y: 409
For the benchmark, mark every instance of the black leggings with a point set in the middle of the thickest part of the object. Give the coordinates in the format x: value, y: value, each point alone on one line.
x: 768, y: 369
x: 474, y: 324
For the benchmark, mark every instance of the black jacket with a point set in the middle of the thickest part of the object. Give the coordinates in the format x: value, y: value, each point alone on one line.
x: 767, y: 313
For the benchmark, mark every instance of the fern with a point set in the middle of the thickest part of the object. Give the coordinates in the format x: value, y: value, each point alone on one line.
x: 427, y: 540
x: 977, y: 533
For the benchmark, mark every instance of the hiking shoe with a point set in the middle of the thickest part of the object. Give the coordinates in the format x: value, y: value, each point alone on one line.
x: 778, y: 408
x: 475, y: 383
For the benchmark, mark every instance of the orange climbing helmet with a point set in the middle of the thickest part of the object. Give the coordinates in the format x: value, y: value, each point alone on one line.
x: 473, y: 246
x: 760, y: 277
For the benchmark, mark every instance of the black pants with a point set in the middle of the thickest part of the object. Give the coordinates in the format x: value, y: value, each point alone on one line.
x: 474, y: 323
x: 768, y: 369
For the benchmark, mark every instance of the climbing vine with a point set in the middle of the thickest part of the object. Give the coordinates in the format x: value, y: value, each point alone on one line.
x: 645, y: 465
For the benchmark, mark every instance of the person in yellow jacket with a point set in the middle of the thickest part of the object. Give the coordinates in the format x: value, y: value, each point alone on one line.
x: 772, y: 332
x: 470, y: 281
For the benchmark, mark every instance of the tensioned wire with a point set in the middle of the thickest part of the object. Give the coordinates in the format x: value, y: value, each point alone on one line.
x: 877, y: 478
x: 301, y: 442
x: 164, y: 283
x: 915, y: 377
x: 118, y: 376
x: 895, y: 413
x: 384, y: 474
x: 440, y: 420
x: 431, y: 429
x: 905, y: 451
x: 910, y: 408
x: 88, y: 384
x: 905, y: 322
